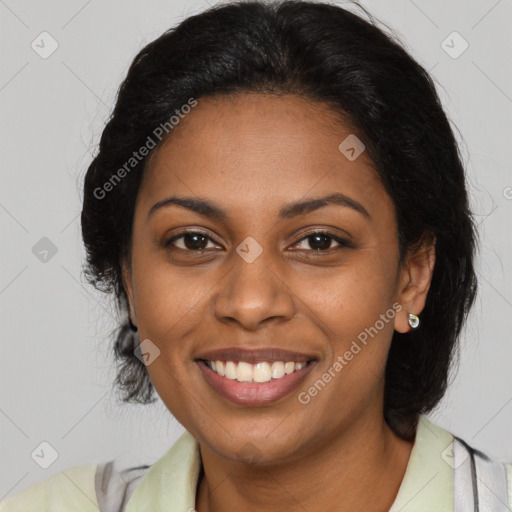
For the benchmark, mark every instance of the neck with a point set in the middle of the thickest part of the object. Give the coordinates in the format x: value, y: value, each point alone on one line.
x: 360, y: 469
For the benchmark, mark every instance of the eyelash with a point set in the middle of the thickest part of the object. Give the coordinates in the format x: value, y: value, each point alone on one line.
x: 342, y: 242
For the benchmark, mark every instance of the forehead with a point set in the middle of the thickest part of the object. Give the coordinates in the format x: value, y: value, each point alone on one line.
x: 254, y: 150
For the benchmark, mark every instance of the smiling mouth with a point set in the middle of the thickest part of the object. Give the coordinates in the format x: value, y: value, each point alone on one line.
x: 260, y: 372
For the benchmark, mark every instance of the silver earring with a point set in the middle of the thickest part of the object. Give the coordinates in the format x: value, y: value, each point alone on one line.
x: 414, y: 321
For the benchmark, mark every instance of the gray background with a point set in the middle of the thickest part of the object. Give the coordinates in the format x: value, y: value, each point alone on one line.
x: 55, y: 365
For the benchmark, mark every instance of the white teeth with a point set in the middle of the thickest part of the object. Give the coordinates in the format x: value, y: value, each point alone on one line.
x: 230, y: 371
x: 219, y: 368
x: 278, y: 369
x: 244, y: 372
x: 289, y: 367
x: 259, y: 372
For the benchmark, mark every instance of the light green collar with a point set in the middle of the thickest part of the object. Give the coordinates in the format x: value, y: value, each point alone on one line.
x: 428, y: 479
x: 170, y: 484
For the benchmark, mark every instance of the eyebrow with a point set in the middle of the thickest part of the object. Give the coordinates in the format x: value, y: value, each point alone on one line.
x: 208, y: 209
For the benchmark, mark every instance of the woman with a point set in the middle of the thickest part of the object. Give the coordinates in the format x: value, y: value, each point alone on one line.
x: 279, y: 206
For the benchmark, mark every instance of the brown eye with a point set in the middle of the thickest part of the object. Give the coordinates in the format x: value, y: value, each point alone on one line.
x: 321, y: 241
x: 190, y: 241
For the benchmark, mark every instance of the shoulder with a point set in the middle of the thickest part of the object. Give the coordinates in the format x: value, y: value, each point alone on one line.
x: 459, y: 476
x: 508, y: 469
x: 487, y: 479
x: 73, y: 488
x: 102, y: 486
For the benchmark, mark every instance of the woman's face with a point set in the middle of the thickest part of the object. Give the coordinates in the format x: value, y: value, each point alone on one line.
x: 255, y: 276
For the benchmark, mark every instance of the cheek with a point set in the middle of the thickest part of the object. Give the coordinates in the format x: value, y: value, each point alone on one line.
x: 169, y: 306
x: 353, y: 296
x: 355, y: 309
x: 166, y: 298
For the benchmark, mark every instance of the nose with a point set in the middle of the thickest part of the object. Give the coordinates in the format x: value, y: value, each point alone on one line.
x: 254, y: 294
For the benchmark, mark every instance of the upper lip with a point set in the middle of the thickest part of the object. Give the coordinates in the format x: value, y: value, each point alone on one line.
x: 254, y: 355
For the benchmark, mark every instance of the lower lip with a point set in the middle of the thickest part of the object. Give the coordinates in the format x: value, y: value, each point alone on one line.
x: 254, y: 393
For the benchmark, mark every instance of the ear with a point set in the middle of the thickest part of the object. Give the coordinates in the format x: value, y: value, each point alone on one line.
x: 128, y: 287
x: 414, y: 282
